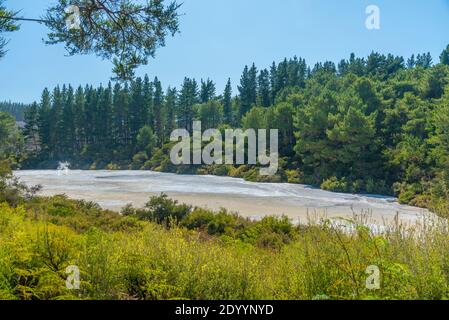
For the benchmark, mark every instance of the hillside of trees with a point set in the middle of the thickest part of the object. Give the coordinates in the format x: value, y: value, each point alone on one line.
x: 16, y: 109
x: 377, y: 124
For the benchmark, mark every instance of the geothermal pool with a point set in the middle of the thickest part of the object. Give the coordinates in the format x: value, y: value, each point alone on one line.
x: 114, y: 189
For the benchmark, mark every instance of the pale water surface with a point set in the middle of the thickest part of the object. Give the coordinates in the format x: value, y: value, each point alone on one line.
x: 114, y: 189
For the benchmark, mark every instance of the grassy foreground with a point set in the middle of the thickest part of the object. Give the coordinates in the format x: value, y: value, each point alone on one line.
x: 173, y: 251
x: 225, y: 257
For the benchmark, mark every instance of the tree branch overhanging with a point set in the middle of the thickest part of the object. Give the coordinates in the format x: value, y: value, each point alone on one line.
x: 123, y: 31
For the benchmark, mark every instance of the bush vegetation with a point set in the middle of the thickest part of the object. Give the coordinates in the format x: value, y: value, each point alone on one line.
x: 171, y: 251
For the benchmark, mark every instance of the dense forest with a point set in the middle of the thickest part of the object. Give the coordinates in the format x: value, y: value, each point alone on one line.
x: 16, y: 109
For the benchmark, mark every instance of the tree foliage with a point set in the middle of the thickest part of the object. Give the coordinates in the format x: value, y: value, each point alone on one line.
x: 126, y: 32
x: 11, y: 141
x: 6, y: 25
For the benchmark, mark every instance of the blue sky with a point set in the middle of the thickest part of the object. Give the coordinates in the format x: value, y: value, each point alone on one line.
x: 219, y: 37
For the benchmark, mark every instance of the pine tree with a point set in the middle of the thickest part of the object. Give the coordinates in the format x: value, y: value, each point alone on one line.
x: 170, y: 109
x: 297, y: 71
x: 136, y: 108
x: 104, y: 119
x: 354, y: 65
x: 147, y: 116
x: 67, y: 124
x: 119, y: 111
x: 437, y: 81
x: 158, y: 111
x: 207, y: 91
x: 444, y: 57
x: 109, y: 116
x: 227, y: 104
x: 57, y: 131
x: 79, y: 121
x: 125, y: 97
x: 44, y: 121
x: 424, y: 61
x: 411, y: 62
x: 273, y: 82
x: 96, y: 123
x: 31, y: 131
x: 264, y: 94
x: 187, y: 99
x: 252, y: 90
x: 121, y: 103
x: 283, y: 115
x: 281, y: 77
x: 248, y: 89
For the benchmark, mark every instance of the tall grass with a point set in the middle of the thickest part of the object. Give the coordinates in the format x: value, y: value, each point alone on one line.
x: 123, y: 258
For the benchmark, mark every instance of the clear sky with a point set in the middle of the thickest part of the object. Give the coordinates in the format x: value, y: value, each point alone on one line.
x: 219, y: 37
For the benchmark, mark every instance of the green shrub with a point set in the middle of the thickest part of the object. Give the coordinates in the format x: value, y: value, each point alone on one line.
x: 336, y: 185
x: 139, y: 159
x: 113, y: 166
x: 163, y: 210
x: 199, y: 219
x: 294, y: 176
